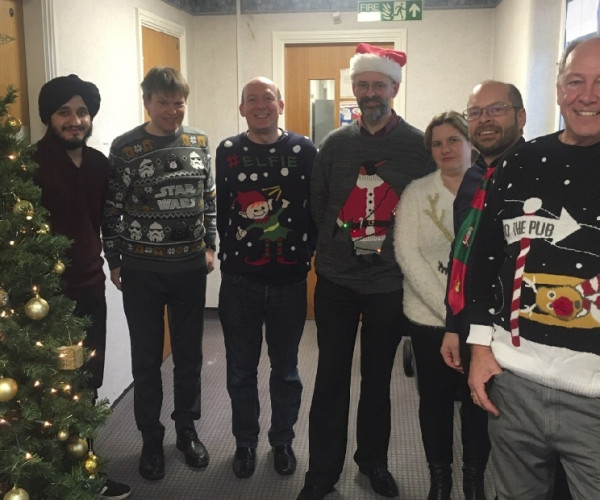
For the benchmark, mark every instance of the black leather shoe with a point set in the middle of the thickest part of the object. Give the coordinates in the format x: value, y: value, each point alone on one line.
x: 382, y: 481
x: 284, y: 459
x: 195, y: 453
x: 244, y: 461
x: 314, y: 492
x: 152, y: 462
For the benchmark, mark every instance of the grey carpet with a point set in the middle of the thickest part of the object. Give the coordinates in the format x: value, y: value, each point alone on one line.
x: 119, y: 442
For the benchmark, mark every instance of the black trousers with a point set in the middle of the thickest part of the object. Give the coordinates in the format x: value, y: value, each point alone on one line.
x: 145, y: 295
x: 337, y: 314
x: 95, y: 309
x: 439, y: 387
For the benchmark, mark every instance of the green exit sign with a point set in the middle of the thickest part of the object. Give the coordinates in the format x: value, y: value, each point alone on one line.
x: 408, y: 10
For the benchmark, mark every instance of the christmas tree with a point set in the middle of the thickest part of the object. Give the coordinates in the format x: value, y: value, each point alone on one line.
x: 47, y: 413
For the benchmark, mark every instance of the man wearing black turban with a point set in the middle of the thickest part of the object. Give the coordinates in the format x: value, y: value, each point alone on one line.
x: 74, y: 182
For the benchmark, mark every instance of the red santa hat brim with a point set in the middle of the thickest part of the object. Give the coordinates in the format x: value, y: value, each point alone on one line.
x: 371, y: 58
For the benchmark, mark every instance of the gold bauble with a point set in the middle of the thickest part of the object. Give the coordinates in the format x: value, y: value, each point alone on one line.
x: 77, y: 448
x: 59, y: 267
x: 14, y: 124
x: 91, y: 465
x: 8, y: 388
x: 44, y: 228
x: 16, y: 494
x: 62, y: 435
x: 37, y: 308
x: 3, y: 297
x: 24, y: 207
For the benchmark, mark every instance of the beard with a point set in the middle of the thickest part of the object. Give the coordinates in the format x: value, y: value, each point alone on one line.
x: 508, y: 137
x: 71, y: 144
x: 373, y: 115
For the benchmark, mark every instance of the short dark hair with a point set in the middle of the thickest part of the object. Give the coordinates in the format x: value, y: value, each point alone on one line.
x: 452, y: 118
x: 166, y: 80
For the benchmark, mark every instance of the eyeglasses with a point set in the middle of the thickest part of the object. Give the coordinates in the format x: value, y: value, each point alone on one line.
x: 496, y: 109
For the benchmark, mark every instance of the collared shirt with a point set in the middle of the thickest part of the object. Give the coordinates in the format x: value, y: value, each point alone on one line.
x: 383, y: 131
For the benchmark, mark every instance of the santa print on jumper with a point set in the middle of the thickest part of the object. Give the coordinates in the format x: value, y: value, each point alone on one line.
x: 368, y: 211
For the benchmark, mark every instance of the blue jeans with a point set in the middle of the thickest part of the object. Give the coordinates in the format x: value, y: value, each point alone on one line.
x: 244, y: 307
x: 338, y: 312
x: 145, y: 294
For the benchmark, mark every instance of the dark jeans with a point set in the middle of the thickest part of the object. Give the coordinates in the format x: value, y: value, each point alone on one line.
x: 244, y: 307
x: 95, y: 309
x: 337, y: 313
x: 145, y: 295
x: 439, y: 386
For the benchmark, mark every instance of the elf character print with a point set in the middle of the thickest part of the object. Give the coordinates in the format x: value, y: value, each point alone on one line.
x: 369, y: 209
x: 264, y: 220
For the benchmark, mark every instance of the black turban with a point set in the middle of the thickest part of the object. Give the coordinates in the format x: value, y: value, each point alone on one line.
x: 59, y: 91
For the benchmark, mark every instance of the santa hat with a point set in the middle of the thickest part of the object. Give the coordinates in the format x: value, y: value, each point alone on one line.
x: 60, y: 90
x: 371, y: 58
x: 245, y: 199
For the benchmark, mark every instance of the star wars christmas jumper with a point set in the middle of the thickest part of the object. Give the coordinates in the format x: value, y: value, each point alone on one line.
x: 536, y: 269
x: 263, y: 215
x: 357, y: 182
x: 160, y: 211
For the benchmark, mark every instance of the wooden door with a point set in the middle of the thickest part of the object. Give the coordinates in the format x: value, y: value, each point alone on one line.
x: 12, y: 57
x: 305, y: 62
x: 160, y: 49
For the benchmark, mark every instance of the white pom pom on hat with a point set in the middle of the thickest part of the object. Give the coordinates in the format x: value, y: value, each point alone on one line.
x: 370, y: 58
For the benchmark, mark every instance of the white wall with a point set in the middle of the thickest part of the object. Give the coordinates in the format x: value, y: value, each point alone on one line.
x: 448, y: 52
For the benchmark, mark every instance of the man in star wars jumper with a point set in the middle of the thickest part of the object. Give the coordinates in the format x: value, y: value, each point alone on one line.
x: 159, y: 240
x: 74, y: 182
x: 534, y: 332
x: 267, y: 239
x: 360, y: 173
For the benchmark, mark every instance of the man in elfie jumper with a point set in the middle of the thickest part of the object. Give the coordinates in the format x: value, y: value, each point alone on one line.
x: 360, y: 173
x: 74, y: 182
x: 267, y: 239
x: 159, y: 241
x: 535, y: 322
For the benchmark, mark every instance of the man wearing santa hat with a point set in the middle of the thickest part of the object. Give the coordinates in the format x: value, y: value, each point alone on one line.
x: 359, y: 175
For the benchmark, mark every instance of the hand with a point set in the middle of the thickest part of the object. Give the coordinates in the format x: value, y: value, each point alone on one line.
x: 210, y: 260
x: 483, y: 367
x: 450, y: 351
x: 115, y: 277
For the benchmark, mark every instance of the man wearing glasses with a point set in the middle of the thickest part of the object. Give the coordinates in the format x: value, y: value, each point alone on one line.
x: 496, y: 117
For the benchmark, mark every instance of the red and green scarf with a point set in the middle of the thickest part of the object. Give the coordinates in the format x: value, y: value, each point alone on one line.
x: 463, y: 243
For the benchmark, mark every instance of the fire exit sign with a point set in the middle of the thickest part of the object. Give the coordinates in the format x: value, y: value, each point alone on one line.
x: 408, y: 10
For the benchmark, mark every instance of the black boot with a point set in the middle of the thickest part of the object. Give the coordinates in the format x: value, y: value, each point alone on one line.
x: 473, y: 486
x: 441, y: 482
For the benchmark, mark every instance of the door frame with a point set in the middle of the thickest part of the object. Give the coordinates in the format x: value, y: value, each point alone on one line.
x: 283, y: 38
x: 157, y: 23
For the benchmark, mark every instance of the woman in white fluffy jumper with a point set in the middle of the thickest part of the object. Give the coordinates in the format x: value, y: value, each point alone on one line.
x: 423, y: 234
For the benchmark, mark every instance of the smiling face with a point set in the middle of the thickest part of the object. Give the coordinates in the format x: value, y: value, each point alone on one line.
x: 450, y: 149
x: 261, y: 106
x: 578, y: 94
x: 494, y: 135
x: 71, y: 124
x: 166, y: 113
